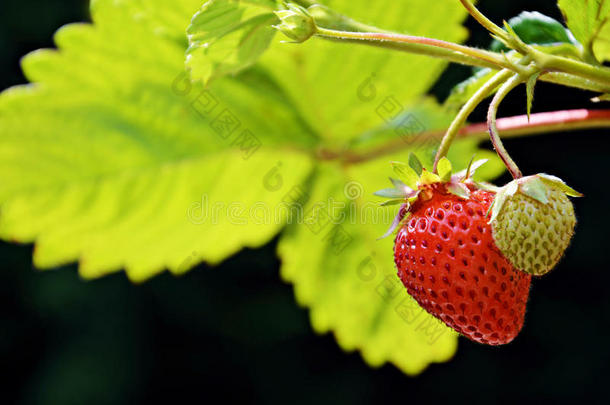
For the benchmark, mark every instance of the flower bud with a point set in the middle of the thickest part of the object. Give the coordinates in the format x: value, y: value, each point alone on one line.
x: 296, y: 23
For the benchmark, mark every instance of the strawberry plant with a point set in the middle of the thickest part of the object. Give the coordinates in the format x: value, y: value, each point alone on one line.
x: 166, y: 134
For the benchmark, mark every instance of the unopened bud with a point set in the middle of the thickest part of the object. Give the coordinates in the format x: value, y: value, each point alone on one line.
x: 296, y: 23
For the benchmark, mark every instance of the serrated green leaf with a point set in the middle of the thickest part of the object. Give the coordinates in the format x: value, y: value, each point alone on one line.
x: 444, y: 169
x: 152, y: 15
x: 227, y: 36
x: 589, y: 21
x: 118, y: 146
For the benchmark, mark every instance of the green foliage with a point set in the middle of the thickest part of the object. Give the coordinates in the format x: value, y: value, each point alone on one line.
x: 117, y: 147
x: 535, y: 28
x: 589, y: 22
x: 112, y: 157
x: 227, y: 36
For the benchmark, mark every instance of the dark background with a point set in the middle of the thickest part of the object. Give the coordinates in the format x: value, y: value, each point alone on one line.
x: 235, y: 333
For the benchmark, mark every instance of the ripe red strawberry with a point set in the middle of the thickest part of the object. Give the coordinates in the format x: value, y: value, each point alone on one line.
x: 446, y: 257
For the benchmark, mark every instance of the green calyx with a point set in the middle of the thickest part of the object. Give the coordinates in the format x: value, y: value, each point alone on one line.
x: 296, y: 23
x: 413, y: 179
x: 533, y: 222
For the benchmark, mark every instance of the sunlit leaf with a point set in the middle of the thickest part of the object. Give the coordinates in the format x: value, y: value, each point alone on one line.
x: 589, y: 21
x: 110, y: 157
x: 227, y: 36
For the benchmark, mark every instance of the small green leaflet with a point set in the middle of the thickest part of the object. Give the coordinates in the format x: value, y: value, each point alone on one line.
x: 227, y: 36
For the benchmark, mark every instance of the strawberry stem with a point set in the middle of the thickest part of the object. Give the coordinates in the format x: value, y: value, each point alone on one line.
x: 509, y: 85
x: 519, y: 125
x: 421, y: 45
x: 544, y: 62
x: 486, y: 22
x: 461, y: 117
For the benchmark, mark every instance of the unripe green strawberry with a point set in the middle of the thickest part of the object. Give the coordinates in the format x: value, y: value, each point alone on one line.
x: 533, y: 222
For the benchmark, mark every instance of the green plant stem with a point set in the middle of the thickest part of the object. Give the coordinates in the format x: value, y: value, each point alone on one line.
x: 458, y: 54
x: 553, y: 68
x: 544, y: 61
x: 569, y: 80
x: 484, y: 21
x: 506, y: 88
x: 422, y: 45
x: 600, y: 74
x: 328, y: 18
x: 481, y: 94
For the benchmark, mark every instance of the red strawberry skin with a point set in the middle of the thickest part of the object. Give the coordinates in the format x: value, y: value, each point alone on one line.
x: 447, y: 259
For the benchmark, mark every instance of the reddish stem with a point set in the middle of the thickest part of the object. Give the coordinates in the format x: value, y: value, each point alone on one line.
x: 545, y: 122
x: 554, y: 121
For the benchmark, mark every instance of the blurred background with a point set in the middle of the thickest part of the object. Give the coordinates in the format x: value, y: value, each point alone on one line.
x: 235, y: 333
